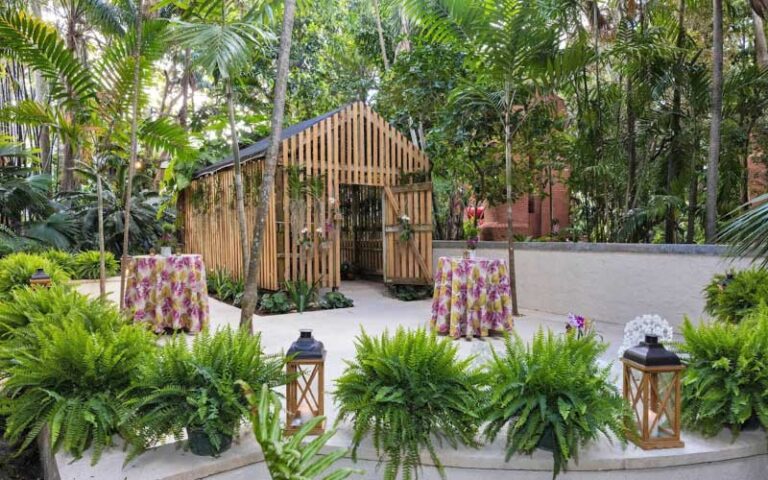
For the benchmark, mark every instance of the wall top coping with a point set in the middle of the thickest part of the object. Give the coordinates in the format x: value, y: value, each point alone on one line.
x: 647, y: 248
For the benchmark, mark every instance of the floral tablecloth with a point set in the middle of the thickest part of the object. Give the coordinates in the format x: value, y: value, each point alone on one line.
x: 168, y: 292
x: 472, y: 297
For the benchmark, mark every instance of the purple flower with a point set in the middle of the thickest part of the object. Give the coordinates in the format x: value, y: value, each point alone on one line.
x: 576, y: 321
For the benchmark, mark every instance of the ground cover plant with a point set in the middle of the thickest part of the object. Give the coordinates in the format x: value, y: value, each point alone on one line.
x: 86, y: 265
x: 551, y: 394
x: 409, y: 392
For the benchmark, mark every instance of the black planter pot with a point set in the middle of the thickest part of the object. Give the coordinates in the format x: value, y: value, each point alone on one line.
x: 547, y: 440
x: 753, y: 423
x: 200, y: 443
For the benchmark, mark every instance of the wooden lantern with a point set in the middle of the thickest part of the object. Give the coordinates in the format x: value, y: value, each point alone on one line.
x: 305, y: 392
x: 40, y: 279
x: 652, y: 390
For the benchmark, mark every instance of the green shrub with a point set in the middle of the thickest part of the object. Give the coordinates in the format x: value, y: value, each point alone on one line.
x: 275, y: 303
x: 301, y: 293
x: 196, y: 387
x: 335, y: 300
x: 63, y: 259
x: 16, y: 270
x: 86, y: 264
x: 730, y: 297
x: 551, y: 392
x: 73, y: 376
x: 224, y: 287
x: 726, y: 379
x: 292, y: 457
x: 407, y: 390
x: 409, y: 293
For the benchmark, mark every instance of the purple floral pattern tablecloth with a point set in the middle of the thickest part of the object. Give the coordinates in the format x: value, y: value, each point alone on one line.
x: 472, y: 297
x: 168, y: 292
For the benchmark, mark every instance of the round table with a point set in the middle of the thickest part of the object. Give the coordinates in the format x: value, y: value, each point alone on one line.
x: 168, y: 292
x: 472, y: 297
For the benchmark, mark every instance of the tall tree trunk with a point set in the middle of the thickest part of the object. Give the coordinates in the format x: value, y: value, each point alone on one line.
x: 713, y: 161
x: 41, y: 94
x: 67, y: 182
x: 380, y: 30
x: 761, y: 50
x: 186, y: 79
x: 676, y: 153
x: 250, y: 296
x: 631, y: 148
x: 239, y: 196
x: 134, y: 151
x: 508, y: 181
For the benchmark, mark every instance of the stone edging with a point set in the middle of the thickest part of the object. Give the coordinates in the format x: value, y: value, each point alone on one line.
x: 647, y: 248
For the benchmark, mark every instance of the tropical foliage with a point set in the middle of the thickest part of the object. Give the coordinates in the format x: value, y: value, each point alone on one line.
x: 725, y: 383
x: 295, y: 457
x: 16, y: 270
x: 552, y: 394
x: 732, y: 296
x: 195, y: 387
x: 407, y: 391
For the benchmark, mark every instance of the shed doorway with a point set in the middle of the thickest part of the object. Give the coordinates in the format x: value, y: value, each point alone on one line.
x: 362, y: 252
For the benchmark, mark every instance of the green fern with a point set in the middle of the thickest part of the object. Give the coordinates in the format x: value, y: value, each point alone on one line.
x: 726, y: 379
x: 16, y: 270
x: 731, y: 298
x: 196, y: 387
x: 291, y: 458
x: 406, y: 391
x: 86, y: 265
x: 551, y: 390
x: 62, y: 259
x: 73, y: 374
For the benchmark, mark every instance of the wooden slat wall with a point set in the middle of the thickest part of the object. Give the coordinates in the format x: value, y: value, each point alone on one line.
x: 356, y: 146
x: 211, y: 228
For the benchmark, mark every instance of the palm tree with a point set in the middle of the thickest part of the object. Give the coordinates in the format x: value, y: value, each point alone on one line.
x: 710, y: 226
x: 747, y: 233
x: 223, y: 42
x: 517, y: 64
x: 250, y: 295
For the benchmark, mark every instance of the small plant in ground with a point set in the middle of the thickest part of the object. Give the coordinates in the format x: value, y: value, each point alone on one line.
x: 275, y: 303
x: 194, y: 389
x: 406, y: 391
x: 333, y: 300
x: 551, y: 394
x: 63, y: 259
x: 86, y: 264
x: 301, y: 293
x: 293, y: 457
x: 16, y: 270
x: 73, y: 376
x: 409, y: 293
x: 732, y: 296
x: 224, y: 287
x: 725, y: 383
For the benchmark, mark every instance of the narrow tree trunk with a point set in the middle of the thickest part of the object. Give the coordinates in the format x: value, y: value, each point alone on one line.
x: 67, y: 183
x: 41, y: 94
x: 761, y: 50
x: 631, y: 148
x: 510, y: 229
x: 676, y: 153
x: 239, y: 195
x: 380, y: 30
x: 693, y: 190
x: 186, y: 78
x: 102, y: 253
x: 714, y: 129
x: 134, y: 152
x: 250, y: 296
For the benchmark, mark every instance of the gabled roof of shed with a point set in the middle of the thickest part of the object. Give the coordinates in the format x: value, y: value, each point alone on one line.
x: 259, y: 149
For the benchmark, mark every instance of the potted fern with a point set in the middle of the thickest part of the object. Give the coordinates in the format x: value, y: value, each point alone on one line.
x: 406, y: 390
x: 551, y: 395
x: 194, y: 391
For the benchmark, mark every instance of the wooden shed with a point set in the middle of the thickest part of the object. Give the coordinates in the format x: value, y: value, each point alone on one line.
x: 350, y: 190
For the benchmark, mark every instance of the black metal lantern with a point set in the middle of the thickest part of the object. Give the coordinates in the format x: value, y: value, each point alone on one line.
x: 652, y: 389
x: 40, y: 279
x: 306, y: 390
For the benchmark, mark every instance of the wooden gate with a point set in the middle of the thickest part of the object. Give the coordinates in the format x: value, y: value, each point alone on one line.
x: 408, y: 261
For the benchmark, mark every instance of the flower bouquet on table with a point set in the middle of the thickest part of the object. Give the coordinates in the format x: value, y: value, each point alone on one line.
x: 471, y: 233
x: 167, y: 240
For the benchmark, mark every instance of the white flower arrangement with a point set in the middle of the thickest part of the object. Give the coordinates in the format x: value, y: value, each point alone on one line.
x: 636, y: 330
x: 405, y: 218
x: 331, y: 201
